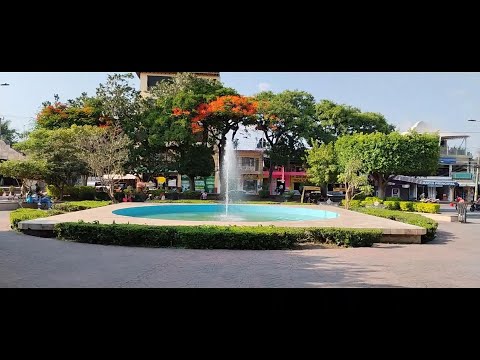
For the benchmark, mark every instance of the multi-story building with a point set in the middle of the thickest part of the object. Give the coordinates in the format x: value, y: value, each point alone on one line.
x: 455, y: 173
x: 149, y: 79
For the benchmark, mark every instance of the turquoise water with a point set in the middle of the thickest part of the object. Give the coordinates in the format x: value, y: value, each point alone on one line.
x: 216, y: 212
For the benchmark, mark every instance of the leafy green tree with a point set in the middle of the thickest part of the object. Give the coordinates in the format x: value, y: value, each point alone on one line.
x: 322, y: 164
x: 285, y: 119
x: 386, y: 155
x: 354, y: 180
x: 196, y: 160
x: 120, y: 101
x: 23, y: 170
x: 336, y: 120
x: 57, y: 149
x: 7, y: 133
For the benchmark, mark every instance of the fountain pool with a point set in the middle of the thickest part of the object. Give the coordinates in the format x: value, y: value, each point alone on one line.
x: 216, y: 212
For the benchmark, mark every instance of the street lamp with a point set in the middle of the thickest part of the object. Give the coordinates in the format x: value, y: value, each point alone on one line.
x: 477, y: 168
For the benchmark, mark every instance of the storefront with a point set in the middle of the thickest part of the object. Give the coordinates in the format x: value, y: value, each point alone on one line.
x: 251, y: 183
x: 206, y: 183
x: 290, y: 180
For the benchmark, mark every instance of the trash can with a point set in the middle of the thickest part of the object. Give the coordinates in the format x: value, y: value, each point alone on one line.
x: 462, y: 212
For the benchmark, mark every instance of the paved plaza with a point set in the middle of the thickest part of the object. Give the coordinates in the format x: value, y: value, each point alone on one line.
x: 452, y: 260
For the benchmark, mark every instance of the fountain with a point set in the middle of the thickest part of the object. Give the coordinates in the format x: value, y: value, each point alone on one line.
x: 229, y: 172
x: 227, y: 213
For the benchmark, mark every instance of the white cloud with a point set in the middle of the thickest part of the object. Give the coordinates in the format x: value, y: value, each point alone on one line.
x: 264, y: 86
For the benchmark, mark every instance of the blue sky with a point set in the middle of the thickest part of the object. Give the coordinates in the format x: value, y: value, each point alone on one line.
x: 444, y: 100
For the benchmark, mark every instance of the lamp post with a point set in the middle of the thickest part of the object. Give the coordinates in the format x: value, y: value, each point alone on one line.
x: 476, y: 168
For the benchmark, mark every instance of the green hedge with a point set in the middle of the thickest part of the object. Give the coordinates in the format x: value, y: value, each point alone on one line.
x: 406, y: 205
x: 391, y: 205
x: 393, y: 198
x: 412, y: 219
x: 28, y: 214
x: 426, y: 207
x: 370, y: 200
x: 80, y: 205
x: 212, y: 237
x: 75, y: 192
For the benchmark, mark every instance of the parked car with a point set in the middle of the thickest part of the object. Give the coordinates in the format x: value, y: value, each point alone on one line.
x: 335, y: 196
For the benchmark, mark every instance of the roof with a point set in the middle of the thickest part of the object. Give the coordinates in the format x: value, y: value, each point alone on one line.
x: 175, y: 72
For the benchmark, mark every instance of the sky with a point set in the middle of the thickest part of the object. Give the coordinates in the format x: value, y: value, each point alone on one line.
x: 444, y: 100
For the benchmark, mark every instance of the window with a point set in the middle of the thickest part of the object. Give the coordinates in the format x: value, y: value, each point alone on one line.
x: 153, y: 80
x: 248, y: 162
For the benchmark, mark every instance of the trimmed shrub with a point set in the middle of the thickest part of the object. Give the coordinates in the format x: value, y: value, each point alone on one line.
x: 264, y: 194
x: 191, y: 195
x: 102, y: 196
x: 426, y: 207
x: 391, y: 205
x: 71, y: 206
x: 212, y: 237
x: 372, y: 199
x: 412, y: 219
x: 86, y: 192
x: 140, y: 197
x: 393, y: 198
x: 406, y: 205
x: 28, y: 214
x: 353, y: 203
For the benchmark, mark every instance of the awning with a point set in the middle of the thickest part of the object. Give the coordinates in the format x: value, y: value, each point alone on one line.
x: 119, y: 177
x: 431, y: 182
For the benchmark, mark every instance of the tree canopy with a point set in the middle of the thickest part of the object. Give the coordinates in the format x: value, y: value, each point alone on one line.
x: 386, y: 155
x: 336, y: 120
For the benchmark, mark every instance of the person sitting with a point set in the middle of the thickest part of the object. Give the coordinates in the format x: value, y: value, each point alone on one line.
x: 204, y: 195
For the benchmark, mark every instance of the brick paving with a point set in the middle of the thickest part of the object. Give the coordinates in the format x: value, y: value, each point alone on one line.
x: 452, y: 260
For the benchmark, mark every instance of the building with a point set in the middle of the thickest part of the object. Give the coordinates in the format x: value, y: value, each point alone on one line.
x: 149, y: 79
x: 455, y: 174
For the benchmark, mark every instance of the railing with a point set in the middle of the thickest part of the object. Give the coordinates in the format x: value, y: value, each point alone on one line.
x: 453, y: 151
x: 247, y: 168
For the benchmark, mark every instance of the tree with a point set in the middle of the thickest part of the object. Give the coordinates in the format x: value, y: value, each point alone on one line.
x: 7, y: 133
x: 195, y: 161
x: 23, y: 170
x: 322, y: 164
x: 285, y: 119
x: 119, y: 100
x: 386, y: 155
x: 163, y: 127
x: 221, y: 116
x: 354, y: 180
x: 81, y: 111
x: 57, y: 149
x: 336, y: 120
x: 105, y: 152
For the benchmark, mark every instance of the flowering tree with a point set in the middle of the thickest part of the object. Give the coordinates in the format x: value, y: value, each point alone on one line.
x: 215, y: 119
x: 82, y: 111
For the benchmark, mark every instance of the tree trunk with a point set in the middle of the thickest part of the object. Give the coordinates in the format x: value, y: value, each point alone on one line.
x: 347, y: 197
x: 381, y: 184
x: 191, y: 180
x: 270, y: 176
x: 111, y: 193
x: 61, y: 192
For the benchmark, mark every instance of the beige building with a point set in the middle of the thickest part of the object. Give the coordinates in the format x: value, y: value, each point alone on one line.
x: 149, y: 79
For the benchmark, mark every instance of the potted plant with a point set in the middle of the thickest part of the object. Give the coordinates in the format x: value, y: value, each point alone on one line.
x: 12, y: 190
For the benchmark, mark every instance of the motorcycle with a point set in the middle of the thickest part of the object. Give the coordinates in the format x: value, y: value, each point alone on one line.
x: 475, y: 207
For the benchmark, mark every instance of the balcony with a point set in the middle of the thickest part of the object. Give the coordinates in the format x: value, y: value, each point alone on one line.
x: 248, y: 168
x: 453, y: 151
